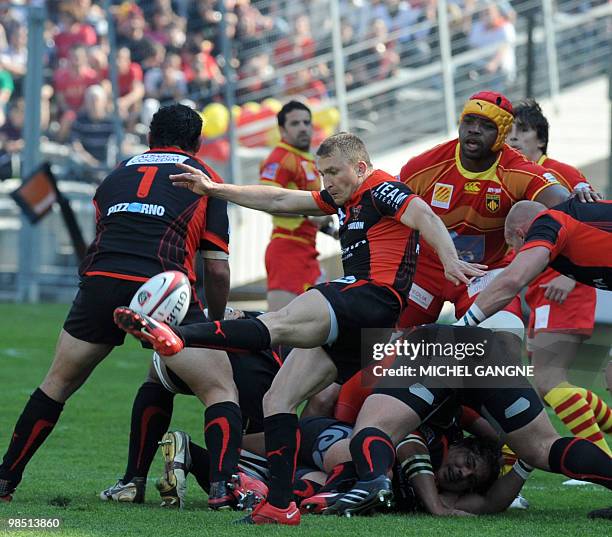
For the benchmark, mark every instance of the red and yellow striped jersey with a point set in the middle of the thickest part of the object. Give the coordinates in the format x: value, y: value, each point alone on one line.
x: 288, y: 167
x: 474, y: 205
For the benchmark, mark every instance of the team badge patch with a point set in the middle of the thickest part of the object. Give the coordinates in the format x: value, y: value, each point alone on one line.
x: 493, y: 202
x: 472, y: 187
x: 550, y: 178
x: 269, y: 172
x: 310, y: 171
x: 442, y: 194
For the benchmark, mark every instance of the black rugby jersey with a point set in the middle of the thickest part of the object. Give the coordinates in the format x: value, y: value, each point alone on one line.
x: 375, y: 245
x: 145, y: 225
x: 579, y: 238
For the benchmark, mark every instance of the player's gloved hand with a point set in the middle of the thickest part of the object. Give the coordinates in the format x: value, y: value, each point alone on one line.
x: 458, y: 271
x: 193, y: 179
x: 558, y: 288
x: 585, y: 194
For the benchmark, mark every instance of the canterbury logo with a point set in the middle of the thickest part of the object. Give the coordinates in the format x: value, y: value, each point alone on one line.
x: 472, y: 186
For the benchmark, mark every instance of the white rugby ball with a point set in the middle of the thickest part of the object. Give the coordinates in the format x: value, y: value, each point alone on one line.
x: 165, y: 297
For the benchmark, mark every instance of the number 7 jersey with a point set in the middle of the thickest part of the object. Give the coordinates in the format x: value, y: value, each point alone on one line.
x: 145, y: 225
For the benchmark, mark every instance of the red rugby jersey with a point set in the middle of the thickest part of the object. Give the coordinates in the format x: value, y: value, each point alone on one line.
x: 579, y: 238
x: 288, y: 167
x: 474, y: 205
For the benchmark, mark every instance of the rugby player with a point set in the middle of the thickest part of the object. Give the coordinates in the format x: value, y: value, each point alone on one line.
x: 471, y: 183
x: 291, y: 255
x: 379, y: 218
x: 253, y: 375
x: 144, y: 227
x: 562, y: 311
x: 393, y: 411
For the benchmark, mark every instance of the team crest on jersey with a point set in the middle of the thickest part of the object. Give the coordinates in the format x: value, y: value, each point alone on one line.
x: 269, y: 172
x: 442, y: 194
x: 143, y: 296
x: 493, y: 201
x: 472, y: 187
x: 355, y: 211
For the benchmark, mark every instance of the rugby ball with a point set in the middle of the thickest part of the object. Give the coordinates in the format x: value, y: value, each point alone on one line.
x: 165, y: 297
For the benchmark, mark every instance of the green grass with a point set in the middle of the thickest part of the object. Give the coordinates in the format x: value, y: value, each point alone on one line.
x: 88, y: 449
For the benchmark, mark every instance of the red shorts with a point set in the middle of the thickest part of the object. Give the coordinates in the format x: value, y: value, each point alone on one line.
x: 291, y: 266
x: 575, y: 316
x: 430, y: 289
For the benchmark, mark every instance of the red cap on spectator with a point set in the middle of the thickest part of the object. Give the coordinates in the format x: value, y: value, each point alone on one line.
x: 493, y: 106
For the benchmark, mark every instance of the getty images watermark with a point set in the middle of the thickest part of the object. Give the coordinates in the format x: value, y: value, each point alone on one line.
x: 456, y: 357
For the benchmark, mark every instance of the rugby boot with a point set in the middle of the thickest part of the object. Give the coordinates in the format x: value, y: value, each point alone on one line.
x: 172, y: 486
x: 265, y: 513
x: 319, y: 503
x: 132, y: 492
x: 159, y: 335
x: 248, y: 491
x: 6, y: 490
x: 220, y: 497
x: 364, y: 497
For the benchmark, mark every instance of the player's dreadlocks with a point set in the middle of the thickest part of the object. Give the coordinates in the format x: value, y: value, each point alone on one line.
x: 176, y: 125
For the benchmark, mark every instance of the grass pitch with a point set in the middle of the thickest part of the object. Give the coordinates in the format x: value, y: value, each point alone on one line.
x: 88, y: 450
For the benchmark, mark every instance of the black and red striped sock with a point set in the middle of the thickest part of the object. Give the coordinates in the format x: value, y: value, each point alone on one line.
x: 578, y: 458
x: 282, y: 446
x: 239, y: 334
x: 372, y: 452
x: 223, y: 435
x: 341, y: 478
x: 151, y: 415
x: 304, y: 488
x: 35, y: 424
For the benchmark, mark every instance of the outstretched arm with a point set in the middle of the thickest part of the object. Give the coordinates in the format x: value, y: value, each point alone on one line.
x: 418, y: 215
x: 262, y: 198
x: 524, y: 268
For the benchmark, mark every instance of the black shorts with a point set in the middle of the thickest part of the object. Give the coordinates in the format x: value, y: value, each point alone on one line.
x: 318, y: 434
x: 91, y: 316
x: 358, y: 305
x: 253, y: 375
x: 507, y: 407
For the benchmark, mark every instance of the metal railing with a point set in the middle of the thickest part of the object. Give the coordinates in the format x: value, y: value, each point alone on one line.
x: 386, y: 70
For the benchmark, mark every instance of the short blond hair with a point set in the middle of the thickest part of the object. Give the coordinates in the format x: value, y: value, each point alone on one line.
x: 348, y: 145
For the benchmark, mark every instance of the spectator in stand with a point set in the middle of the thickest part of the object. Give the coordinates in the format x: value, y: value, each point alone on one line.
x: 307, y: 84
x: 91, y: 135
x: 11, y: 133
x: 73, y: 32
x: 158, y: 32
x: 296, y: 47
x: 131, y: 27
x: 204, y: 77
x: 167, y: 83
x: 70, y: 83
x: 131, y: 87
x: 15, y: 56
x: 176, y: 38
x: 6, y: 90
x: 204, y: 19
x: 498, y: 70
x: 256, y: 79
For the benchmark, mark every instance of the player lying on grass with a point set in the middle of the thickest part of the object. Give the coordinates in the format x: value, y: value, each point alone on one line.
x: 152, y: 412
x: 393, y: 411
x: 380, y: 218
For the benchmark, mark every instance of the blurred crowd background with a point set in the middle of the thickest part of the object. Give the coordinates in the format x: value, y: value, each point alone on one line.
x: 171, y: 50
